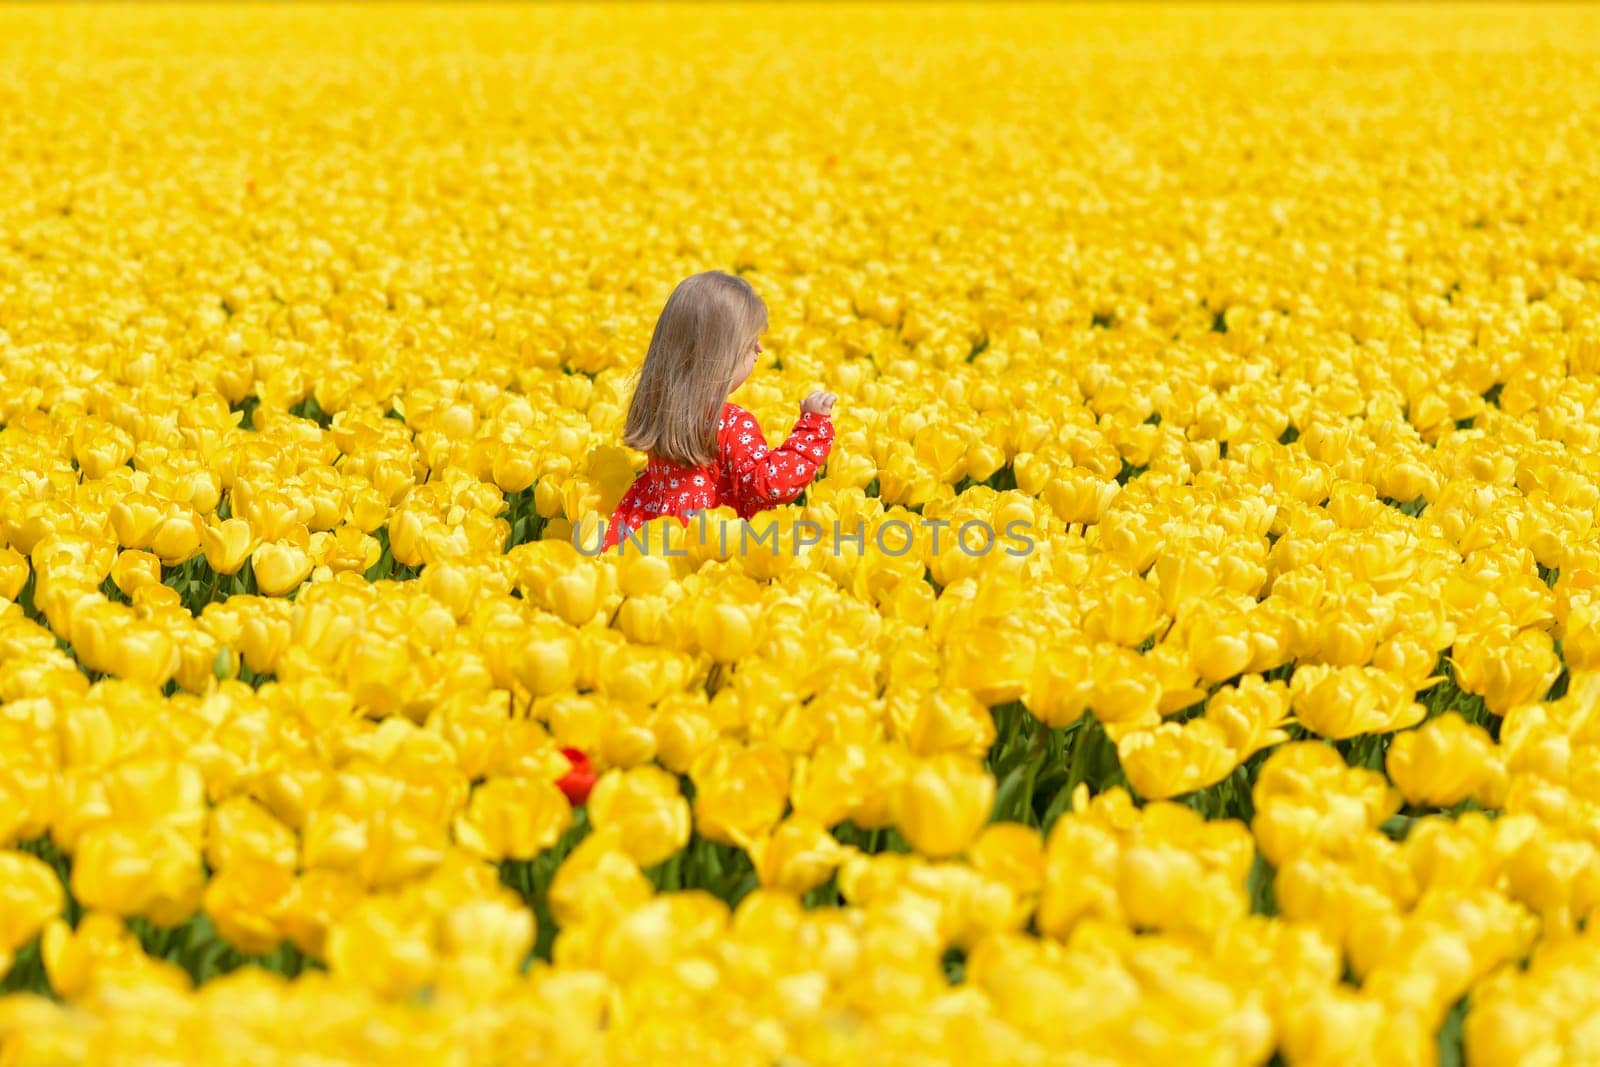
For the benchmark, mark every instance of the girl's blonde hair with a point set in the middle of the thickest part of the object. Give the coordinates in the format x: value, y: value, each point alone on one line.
x: 705, y: 329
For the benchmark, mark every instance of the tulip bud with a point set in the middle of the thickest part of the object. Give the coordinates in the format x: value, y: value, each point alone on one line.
x: 576, y: 595
x: 641, y: 574
x: 262, y: 639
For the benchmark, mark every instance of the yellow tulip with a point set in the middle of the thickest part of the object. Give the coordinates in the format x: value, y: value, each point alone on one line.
x: 575, y: 596
x: 14, y: 572
x: 32, y: 895
x: 1340, y: 702
x: 740, y: 791
x: 1062, y: 685
x: 1446, y: 761
x: 513, y: 818
x: 135, y: 520
x: 596, y: 880
x: 642, y: 676
x: 1556, y: 878
x: 146, y: 654
x: 650, y: 815
x: 1012, y: 854
x: 727, y: 632
x: 1080, y: 496
x: 495, y: 933
x: 643, y: 575
x: 993, y: 660
x: 406, y: 530
x: 279, y: 568
x: 798, y: 855
x: 682, y: 731
x: 546, y: 665
x: 368, y: 508
x: 950, y: 721
x: 942, y: 804
x: 101, y: 952
x: 1174, y: 758
x: 384, y: 945
x: 247, y: 901
x: 242, y: 830
x: 833, y: 781
x: 262, y: 638
x: 645, y: 620
x: 176, y: 538
x: 149, y: 870
x: 1346, y: 637
x: 1580, y: 635
x: 1507, y: 670
x: 512, y: 468
x: 1130, y: 610
x: 1251, y: 714
x: 319, y: 899
x: 100, y: 448
x: 134, y: 569
x: 1125, y: 694
x: 1222, y: 649
x: 1307, y: 799
x: 1185, y: 578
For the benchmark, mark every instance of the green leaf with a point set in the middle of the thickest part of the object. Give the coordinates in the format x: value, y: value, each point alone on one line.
x: 1008, y: 799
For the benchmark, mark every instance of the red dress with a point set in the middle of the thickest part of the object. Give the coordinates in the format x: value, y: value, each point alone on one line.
x: 746, y: 476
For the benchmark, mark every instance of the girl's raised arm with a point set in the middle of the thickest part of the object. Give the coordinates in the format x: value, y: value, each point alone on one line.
x: 767, y: 477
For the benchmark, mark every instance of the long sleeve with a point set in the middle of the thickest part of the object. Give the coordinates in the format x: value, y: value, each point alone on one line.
x: 765, y: 477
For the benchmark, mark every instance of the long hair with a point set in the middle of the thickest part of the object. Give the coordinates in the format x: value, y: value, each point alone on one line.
x: 707, y: 325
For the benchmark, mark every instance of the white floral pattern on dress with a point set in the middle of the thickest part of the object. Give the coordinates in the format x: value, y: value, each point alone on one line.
x: 747, y: 475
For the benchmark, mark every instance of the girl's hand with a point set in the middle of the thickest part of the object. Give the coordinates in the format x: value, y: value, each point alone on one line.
x: 819, y: 402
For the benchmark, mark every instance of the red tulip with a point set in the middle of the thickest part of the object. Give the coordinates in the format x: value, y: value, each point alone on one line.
x: 577, y: 782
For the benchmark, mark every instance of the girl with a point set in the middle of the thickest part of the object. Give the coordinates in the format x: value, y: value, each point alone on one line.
x: 705, y: 452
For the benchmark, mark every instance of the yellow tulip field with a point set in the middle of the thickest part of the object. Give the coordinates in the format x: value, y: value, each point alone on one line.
x: 1195, y: 658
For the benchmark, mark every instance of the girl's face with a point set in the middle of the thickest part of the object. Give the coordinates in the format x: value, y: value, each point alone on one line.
x: 746, y: 365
